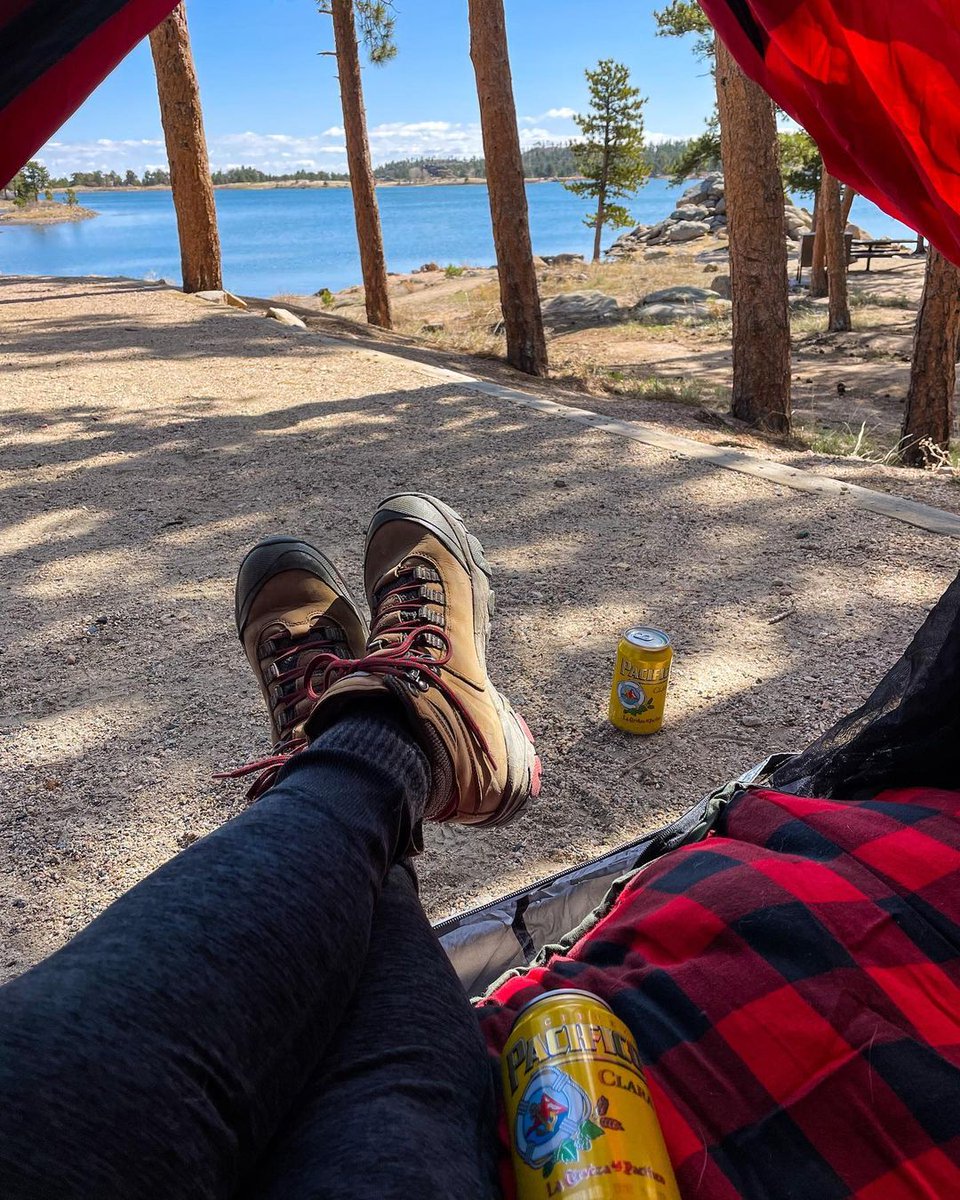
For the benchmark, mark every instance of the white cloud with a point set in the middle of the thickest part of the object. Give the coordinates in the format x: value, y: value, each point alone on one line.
x: 276, y: 152
x: 552, y: 114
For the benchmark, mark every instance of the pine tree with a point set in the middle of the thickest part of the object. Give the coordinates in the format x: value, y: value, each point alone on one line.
x: 928, y: 416
x: 611, y: 156
x: 835, y: 247
x: 519, y: 297
x: 33, y: 179
x: 182, y: 119
x: 376, y: 27
x: 758, y: 254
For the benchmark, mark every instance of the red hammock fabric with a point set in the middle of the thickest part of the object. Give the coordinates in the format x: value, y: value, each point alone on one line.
x: 794, y: 988
x: 877, y: 85
x: 53, y: 53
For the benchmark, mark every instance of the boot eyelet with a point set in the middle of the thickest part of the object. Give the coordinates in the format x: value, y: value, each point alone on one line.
x: 418, y: 681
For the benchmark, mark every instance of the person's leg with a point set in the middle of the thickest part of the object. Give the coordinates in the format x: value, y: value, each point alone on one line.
x: 156, y: 1053
x: 403, y: 1104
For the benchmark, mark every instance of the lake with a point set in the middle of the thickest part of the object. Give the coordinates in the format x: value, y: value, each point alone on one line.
x: 297, y: 240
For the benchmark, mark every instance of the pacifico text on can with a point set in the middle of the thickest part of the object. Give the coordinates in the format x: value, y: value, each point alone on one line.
x: 641, y: 676
x: 581, y: 1119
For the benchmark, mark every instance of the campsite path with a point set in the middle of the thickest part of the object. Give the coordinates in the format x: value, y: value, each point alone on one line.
x: 149, y: 438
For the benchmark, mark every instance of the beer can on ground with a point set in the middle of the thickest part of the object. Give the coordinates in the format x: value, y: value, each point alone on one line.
x: 580, y: 1115
x: 640, y: 678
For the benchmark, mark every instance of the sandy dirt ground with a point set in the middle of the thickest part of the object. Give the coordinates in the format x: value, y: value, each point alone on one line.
x: 147, y: 439
x: 848, y: 389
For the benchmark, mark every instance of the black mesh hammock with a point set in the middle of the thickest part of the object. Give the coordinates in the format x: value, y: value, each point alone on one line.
x: 907, y: 734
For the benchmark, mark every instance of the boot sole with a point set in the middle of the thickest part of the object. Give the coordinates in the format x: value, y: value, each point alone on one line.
x: 524, y: 768
x: 272, y: 557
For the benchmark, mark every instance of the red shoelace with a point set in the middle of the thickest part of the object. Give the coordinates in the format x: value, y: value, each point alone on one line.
x: 397, y: 660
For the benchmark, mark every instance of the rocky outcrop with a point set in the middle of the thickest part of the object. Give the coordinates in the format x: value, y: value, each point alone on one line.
x: 683, y: 293
x: 701, y: 212
x: 686, y: 231
x: 682, y: 303
x: 580, y: 308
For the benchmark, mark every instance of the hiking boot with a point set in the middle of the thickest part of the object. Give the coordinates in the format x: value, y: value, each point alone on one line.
x: 291, y: 606
x: 427, y: 582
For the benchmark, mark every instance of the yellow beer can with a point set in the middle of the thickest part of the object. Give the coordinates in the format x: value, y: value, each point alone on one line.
x: 640, y: 679
x: 581, y: 1119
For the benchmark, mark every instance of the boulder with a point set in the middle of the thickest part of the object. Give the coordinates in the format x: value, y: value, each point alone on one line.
x: 720, y: 208
x: 653, y: 255
x: 286, y: 318
x: 580, y: 306
x: 686, y: 231
x: 682, y: 294
x: 721, y: 285
x: 628, y: 243
x: 656, y: 314
x: 710, y: 188
x: 691, y: 212
x: 658, y: 232
x: 560, y: 260
x: 667, y: 314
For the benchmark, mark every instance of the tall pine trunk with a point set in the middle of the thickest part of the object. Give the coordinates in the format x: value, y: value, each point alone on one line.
x: 598, y: 228
x: 758, y: 249
x: 831, y: 210
x: 818, y: 265
x: 849, y: 195
x: 182, y: 120
x: 601, y: 202
x: 519, y: 298
x: 928, y: 417
x: 373, y: 261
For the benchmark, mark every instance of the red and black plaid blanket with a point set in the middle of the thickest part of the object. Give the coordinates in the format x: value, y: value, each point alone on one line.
x: 792, y: 983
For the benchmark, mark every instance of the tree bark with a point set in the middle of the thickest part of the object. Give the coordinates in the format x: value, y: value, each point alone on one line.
x: 928, y: 417
x: 818, y: 267
x: 849, y: 195
x: 831, y: 209
x: 182, y: 120
x: 758, y: 249
x: 598, y: 229
x: 519, y: 298
x: 373, y: 261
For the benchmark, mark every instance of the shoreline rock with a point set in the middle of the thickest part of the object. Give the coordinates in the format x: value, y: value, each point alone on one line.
x: 702, y: 212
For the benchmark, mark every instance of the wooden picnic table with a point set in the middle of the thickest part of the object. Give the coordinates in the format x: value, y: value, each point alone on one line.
x: 870, y: 248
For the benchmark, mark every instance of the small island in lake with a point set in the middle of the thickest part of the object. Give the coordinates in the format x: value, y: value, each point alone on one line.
x: 42, y: 212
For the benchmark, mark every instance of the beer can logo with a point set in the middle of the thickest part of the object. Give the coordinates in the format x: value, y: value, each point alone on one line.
x: 551, y: 1112
x: 631, y: 695
x: 557, y: 1122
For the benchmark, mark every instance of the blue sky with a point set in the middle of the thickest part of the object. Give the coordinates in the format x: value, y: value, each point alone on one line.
x: 270, y: 99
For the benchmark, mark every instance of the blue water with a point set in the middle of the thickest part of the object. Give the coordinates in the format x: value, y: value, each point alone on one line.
x: 294, y: 240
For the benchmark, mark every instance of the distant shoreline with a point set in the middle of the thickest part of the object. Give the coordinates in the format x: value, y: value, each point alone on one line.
x: 319, y: 184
